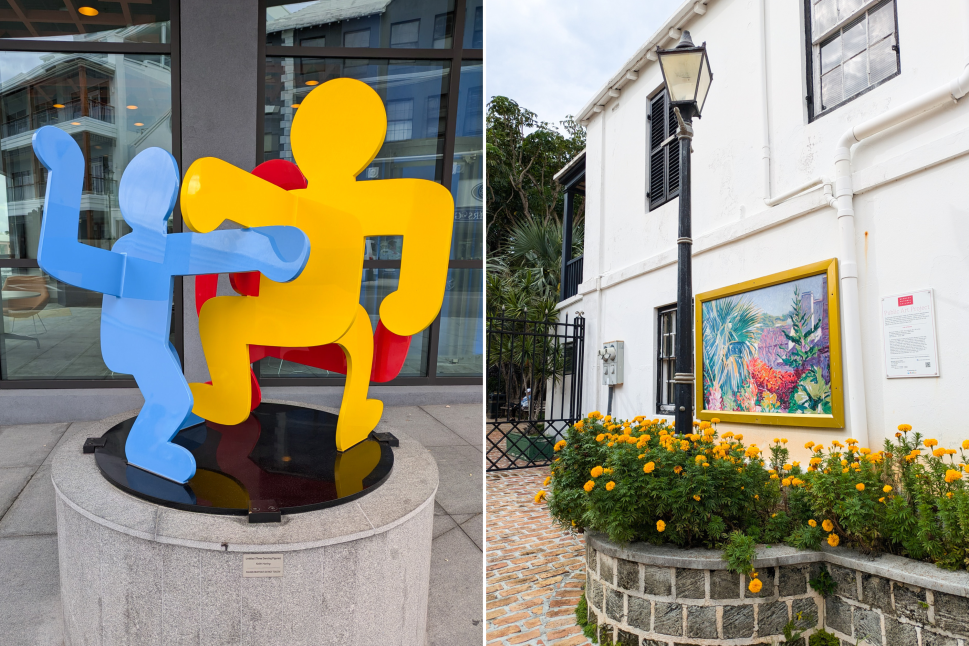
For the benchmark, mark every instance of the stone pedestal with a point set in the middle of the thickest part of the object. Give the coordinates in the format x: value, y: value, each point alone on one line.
x: 133, y: 572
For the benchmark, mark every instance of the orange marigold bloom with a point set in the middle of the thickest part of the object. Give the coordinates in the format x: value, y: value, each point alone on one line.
x: 813, y: 523
x: 610, y: 485
x: 648, y: 467
x: 755, y: 585
x: 860, y: 486
x: 696, y: 498
x: 596, y: 471
x: 589, y: 485
x: 930, y: 443
x: 660, y: 526
x: 677, y: 469
x: 827, y: 525
x: 540, y: 496
x: 833, y: 540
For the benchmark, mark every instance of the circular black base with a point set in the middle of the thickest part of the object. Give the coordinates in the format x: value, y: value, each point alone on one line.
x: 281, y: 453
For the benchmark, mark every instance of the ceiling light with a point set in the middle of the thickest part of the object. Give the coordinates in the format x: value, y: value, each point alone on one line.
x: 132, y: 107
x: 87, y: 11
x: 58, y: 105
x: 312, y: 82
x: 75, y: 123
x: 138, y: 123
x: 295, y: 105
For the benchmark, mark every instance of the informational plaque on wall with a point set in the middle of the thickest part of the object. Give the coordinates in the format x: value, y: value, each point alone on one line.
x: 908, y: 326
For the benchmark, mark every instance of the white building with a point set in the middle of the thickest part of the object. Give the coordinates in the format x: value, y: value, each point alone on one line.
x: 763, y: 170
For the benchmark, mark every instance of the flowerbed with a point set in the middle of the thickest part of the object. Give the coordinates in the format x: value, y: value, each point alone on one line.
x: 641, y: 480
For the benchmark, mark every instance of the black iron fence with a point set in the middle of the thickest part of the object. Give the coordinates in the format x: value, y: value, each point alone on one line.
x: 534, y: 388
x: 571, y: 277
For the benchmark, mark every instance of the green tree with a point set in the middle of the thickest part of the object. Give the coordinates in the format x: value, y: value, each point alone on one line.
x: 800, y: 334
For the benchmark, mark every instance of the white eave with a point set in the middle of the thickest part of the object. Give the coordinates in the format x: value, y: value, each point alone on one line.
x: 572, y: 162
x: 630, y: 71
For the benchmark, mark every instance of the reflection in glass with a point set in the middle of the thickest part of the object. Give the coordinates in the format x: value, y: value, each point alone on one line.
x: 428, y: 24
x: 115, y: 21
x: 376, y: 285
x: 467, y: 178
x: 460, y: 350
x: 474, y: 25
x: 51, y: 330
x: 114, y: 106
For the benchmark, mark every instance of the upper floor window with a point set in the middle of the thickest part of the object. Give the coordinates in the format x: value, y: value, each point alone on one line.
x: 853, y: 46
x: 663, y: 167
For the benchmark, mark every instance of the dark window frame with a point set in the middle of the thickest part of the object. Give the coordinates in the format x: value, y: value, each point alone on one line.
x: 662, y: 152
x: 813, y: 85
x: 456, y: 54
x: 665, y: 364
x: 171, y: 49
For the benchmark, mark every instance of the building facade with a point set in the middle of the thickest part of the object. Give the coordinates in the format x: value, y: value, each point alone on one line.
x: 224, y: 78
x: 832, y: 130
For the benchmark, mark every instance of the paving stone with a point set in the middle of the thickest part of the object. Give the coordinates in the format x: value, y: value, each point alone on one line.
x: 628, y: 575
x: 657, y: 581
x: 724, y: 585
x: 898, y: 633
x: 837, y: 614
x: 846, y: 579
x: 690, y: 584
x: 30, y: 605
x: 639, y: 613
x: 738, y: 621
x: 952, y: 613
x: 701, y: 622
x: 771, y: 618
x: 868, y: 626
x: 28, y: 444
x: 876, y: 591
x: 910, y: 602
x: 930, y: 638
x: 12, y: 482
x: 668, y: 618
x: 614, y: 604
x: 33, y: 512
x: 792, y: 580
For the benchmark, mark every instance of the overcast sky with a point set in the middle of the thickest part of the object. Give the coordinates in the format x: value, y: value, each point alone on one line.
x: 551, y: 56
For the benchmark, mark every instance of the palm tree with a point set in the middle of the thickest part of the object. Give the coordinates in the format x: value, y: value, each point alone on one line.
x: 729, y: 328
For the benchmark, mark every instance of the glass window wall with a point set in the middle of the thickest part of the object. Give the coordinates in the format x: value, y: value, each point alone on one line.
x: 124, y: 21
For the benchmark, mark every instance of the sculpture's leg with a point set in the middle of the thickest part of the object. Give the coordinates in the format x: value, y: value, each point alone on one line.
x: 224, y: 325
x: 358, y: 415
x: 168, y: 403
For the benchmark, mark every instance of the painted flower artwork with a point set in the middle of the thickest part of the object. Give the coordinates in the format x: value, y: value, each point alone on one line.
x: 767, y: 350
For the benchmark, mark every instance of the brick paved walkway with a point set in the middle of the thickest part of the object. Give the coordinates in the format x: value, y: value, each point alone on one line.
x: 535, y: 571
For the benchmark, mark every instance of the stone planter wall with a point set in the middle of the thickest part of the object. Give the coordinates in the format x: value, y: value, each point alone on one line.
x: 644, y: 595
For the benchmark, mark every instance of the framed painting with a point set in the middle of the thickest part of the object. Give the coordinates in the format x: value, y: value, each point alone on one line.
x: 769, y: 350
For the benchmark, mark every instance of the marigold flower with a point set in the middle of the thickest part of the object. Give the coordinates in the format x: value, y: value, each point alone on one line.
x: 559, y: 445
x: 540, y: 496
x: 905, y: 428
x: 705, y: 465
x: 738, y: 437
x: 755, y: 585
x: 948, y: 495
x: 788, y: 467
x: 898, y: 435
x: 610, y: 444
x: 965, y: 444
x: 677, y: 469
x: 578, y: 425
x: 547, y: 480
x: 596, y: 471
x: 860, y: 486
x: 696, y: 498
x: 864, y: 451
x: 827, y: 525
x: 610, y: 485
x: 660, y: 526
x: 786, y: 482
x: 939, y: 452
x: 930, y: 443
x: 773, y: 476
x: 648, y: 467
x: 809, y: 445
x: 833, y: 540
x: 714, y: 420
x: 952, y: 474
x: 756, y: 497
x: 600, y: 437
x: 589, y: 485
x: 813, y: 523
x: 607, y: 419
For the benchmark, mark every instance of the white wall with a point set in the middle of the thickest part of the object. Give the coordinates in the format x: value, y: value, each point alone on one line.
x: 912, y: 203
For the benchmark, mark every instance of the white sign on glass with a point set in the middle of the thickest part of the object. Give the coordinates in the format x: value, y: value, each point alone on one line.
x: 908, y: 328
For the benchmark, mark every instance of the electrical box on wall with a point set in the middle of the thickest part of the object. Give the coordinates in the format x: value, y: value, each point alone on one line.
x: 612, y: 363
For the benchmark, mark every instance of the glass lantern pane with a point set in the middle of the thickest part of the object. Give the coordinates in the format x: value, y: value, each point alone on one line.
x: 681, y: 72
x: 830, y: 55
x: 704, y: 86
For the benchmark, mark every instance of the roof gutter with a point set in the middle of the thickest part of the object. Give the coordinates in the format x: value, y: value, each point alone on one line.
x: 671, y: 30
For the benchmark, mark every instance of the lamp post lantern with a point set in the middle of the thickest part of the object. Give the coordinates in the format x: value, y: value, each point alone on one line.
x: 686, y: 71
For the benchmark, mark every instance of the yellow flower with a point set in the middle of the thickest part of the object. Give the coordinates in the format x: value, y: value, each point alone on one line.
x: 540, y: 496
x: 738, y: 437
x: 610, y: 444
x: 714, y: 420
x: 827, y: 525
x: 882, y: 499
x: 677, y: 469
x: 965, y: 444
x: 788, y: 467
x: 777, y: 440
x: 660, y: 526
x: 559, y: 445
x: 696, y: 498
x: 939, y: 452
x: 786, y: 482
x: 610, y: 485
x: 773, y: 476
x: 648, y: 467
x: 905, y: 428
x: 813, y: 523
x: 705, y: 465
x: 756, y: 497
x: 579, y: 425
x: 755, y: 585
x: 608, y: 472
x: 860, y: 486
x: 833, y: 540
x: 887, y: 488
x: 600, y: 437
x: 589, y: 485
x: 930, y: 443
x: 596, y: 472
x: 547, y: 480
x: 951, y: 475
x: 607, y: 419
x: 809, y: 445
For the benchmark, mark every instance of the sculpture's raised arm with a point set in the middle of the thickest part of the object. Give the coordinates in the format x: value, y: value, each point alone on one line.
x: 59, y: 252
x: 280, y: 253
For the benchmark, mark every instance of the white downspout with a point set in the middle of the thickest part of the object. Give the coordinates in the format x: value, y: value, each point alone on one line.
x: 843, y: 199
x: 765, y: 148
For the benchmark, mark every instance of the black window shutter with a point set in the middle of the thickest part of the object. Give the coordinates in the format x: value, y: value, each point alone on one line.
x: 664, y: 160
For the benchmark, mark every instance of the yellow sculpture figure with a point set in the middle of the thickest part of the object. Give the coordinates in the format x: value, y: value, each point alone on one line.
x: 336, y: 133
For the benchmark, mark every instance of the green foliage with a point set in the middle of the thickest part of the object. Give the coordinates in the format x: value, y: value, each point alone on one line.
x: 739, y: 553
x: 582, y: 618
x: 730, y: 327
x: 823, y: 638
x: 813, y: 394
x: 823, y: 583
x: 795, y: 628
x: 800, y: 334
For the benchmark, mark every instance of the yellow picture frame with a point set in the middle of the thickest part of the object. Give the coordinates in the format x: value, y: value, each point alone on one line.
x: 813, y: 420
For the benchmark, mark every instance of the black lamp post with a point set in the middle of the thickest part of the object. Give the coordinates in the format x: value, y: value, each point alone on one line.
x: 686, y: 71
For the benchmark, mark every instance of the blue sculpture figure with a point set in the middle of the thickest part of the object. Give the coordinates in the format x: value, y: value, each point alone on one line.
x: 137, y: 280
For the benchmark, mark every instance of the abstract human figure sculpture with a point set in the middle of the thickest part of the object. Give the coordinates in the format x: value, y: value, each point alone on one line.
x: 137, y: 279
x: 337, y: 132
